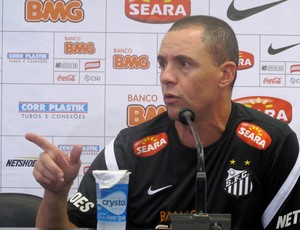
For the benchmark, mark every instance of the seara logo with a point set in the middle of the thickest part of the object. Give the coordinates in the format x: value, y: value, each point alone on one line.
x: 253, y: 135
x: 148, y: 146
x: 274, y: 107
x: 157, y: 11
x: 50, y: 10
x: 246, y: 60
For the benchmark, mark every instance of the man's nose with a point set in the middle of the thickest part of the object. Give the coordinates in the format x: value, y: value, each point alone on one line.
x: 168, y: 75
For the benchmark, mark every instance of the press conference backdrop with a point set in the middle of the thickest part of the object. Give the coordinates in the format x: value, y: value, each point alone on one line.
x: 79, y: 71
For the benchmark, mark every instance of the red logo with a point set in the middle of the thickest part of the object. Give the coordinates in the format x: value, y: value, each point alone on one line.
x: 295, y: 68
x: 148, y: 146
x: 246, y: 60
x: 157, y: 11
x: 274, y: 107
x: 253, y: 135
x: 92, y: 65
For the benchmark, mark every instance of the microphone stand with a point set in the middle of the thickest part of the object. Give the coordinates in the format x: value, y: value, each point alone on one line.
x: 201, y: 184
x: 199, y: 220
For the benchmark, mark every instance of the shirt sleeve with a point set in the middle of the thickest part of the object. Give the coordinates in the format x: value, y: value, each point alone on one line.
x: 82, y: 206
x: 283, y: 210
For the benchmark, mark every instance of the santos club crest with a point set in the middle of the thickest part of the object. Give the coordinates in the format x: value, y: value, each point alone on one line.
x: 238, y: 182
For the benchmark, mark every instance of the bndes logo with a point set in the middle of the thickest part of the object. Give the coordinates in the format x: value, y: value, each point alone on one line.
x: 49, y: 10
x: 246, y: 60
x: 157, y: 11
x: 274, y: 107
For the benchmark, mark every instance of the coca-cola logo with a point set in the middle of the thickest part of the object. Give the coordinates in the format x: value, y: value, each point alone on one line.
x: 272, y: 80
x: 69, y: 77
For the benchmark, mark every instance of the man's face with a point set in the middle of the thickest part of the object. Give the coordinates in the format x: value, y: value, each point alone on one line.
x: 189, y: 77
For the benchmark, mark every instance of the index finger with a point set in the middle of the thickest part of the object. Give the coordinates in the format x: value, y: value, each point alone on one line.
x: 40, y: 141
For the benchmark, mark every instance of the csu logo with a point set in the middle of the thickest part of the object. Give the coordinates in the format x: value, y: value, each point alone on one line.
x: 157, y: 11
x: 275, y: 107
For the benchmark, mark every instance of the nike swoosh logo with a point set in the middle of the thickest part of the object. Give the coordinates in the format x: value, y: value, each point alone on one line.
x: 152, y: 192
x: 236, y: 15
x: 273, y: 51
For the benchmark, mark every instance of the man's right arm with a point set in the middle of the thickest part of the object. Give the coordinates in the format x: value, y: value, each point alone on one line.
x: 55, y: 171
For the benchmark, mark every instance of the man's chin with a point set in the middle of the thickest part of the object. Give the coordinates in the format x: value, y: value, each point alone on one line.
x: 173, y: 115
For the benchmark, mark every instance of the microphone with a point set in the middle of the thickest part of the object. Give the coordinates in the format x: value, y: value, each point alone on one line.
x: 200, y: 219
x: 187, y: 117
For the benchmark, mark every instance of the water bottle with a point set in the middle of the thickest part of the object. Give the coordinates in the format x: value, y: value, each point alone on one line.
x: 112, y: 194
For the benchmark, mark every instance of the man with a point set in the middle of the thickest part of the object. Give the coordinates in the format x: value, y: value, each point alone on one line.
x: 252, y: 160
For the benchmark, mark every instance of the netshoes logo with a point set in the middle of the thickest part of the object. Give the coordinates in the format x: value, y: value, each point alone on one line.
x: 274, y: 107
x: 253, y: 135
x: 157, y: 11
x: 246, y: 60
x: 50, y: 10
x: 148, y: 146
x: 22, y: 162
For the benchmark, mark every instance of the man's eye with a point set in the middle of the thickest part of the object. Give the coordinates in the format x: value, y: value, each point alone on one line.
x: 184, y: 64
x: 162, y: 65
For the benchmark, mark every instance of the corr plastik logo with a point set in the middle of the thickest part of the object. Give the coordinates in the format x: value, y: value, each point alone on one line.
x: 253, y: 135
x: 86, y: 149
x: 150, y: 145
x: 54, y: 11
x: 274, y: 107
x: 18, y: 57
x: 246, y: 60
x: 54, y: 110
x: 157, y: 11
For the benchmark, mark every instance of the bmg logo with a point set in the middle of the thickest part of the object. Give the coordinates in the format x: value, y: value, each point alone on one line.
x: 49, y: 10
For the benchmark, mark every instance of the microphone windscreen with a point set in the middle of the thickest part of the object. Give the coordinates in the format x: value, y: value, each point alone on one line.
x: 184, y: 114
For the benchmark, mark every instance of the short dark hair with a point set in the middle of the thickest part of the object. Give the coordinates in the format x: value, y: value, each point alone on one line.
x: 218, y: 37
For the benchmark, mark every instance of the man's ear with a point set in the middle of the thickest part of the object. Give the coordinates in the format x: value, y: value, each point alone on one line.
x: 228, y: 69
